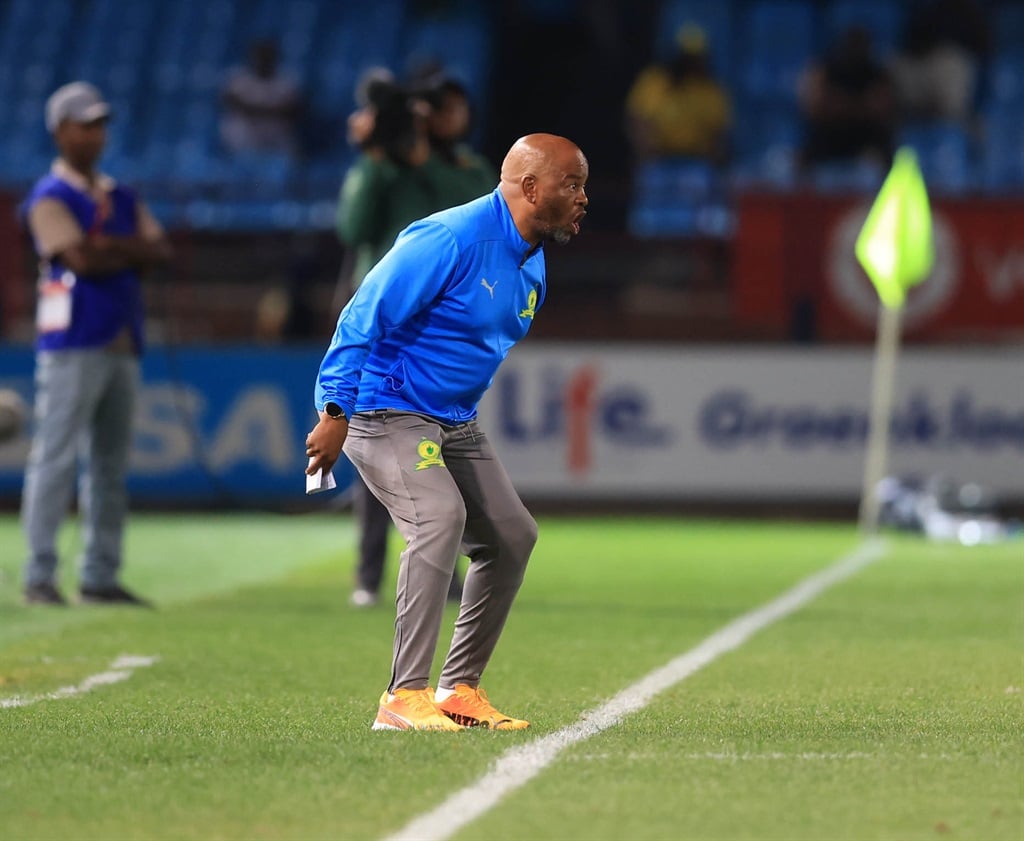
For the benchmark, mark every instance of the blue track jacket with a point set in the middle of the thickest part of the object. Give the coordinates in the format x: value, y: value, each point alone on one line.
x: 432, y: 321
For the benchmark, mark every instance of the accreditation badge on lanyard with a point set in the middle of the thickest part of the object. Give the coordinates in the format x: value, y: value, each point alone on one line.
x: 54, y: 310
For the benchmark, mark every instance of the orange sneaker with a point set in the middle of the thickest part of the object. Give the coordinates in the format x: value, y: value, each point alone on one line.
x: 468, y: 706
x: 411, y: 709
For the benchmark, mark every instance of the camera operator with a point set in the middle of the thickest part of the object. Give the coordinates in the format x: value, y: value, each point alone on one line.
x: 449, y: 124
x: 398, y: 178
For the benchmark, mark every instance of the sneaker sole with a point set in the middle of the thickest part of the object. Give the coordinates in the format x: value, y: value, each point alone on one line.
x: 380, y: 725
x: 387, y: 720
x: 394, y: 722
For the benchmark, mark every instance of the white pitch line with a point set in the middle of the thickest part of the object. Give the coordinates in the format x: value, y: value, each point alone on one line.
x: 521, y: 764
x: 121, y: 669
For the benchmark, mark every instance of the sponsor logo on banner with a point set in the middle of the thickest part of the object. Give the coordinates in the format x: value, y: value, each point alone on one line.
x: 224, y: 425
x: 857, y: 294
x: 734, y: 418
x: 579, y: 406
x: 256, y: 430
x: 1003, y: 272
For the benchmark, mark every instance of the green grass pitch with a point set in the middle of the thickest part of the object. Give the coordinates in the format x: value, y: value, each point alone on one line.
x: 890, y: 707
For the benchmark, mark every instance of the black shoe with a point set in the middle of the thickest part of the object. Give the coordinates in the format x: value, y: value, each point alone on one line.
x: 115, y: 594
x: 44, y: 594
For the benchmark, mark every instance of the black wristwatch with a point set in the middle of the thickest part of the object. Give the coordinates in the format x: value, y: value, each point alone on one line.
x: 333, y: 410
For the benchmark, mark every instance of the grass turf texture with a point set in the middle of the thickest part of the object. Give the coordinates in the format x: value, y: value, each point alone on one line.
x: 889, y: 707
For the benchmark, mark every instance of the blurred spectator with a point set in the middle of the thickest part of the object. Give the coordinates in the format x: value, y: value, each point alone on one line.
x: 848, y: 104
x: 678, y: 108
x: 412, y: 163
x: 449, y: 125
x: 936, y: 71
x: 95, y: 240
x: 262, y: 105
x: 403, y: 172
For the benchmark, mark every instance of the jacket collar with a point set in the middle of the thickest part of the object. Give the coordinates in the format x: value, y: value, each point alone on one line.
x: 509, y: 229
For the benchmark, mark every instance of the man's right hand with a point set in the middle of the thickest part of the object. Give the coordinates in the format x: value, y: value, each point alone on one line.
x: 324, y: 443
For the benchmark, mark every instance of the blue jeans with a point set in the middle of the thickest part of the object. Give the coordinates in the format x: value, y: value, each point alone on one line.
x: 84, y: 406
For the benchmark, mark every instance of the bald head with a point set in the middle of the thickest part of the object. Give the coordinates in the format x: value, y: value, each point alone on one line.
x: 536, y: 154
x: 542, y: 180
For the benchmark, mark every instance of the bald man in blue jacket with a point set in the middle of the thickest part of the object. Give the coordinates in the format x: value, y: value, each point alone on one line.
x: 414, y: 351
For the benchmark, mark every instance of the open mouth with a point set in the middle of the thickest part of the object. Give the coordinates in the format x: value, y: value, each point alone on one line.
x: 576, y: 223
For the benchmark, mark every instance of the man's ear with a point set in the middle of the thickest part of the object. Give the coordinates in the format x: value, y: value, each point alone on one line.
x: 529, y: 184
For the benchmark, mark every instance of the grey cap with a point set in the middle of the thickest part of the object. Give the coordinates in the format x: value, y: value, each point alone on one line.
x: 77, y: 101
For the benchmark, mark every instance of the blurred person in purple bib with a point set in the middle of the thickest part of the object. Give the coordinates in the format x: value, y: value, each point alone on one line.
x: 95, y: 239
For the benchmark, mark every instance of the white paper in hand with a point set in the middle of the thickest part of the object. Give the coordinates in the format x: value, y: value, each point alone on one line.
x: 319, y: 481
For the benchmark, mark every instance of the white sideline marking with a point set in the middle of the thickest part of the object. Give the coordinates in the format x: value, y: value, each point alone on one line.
x: 120, y: 669
x: 521, y: 764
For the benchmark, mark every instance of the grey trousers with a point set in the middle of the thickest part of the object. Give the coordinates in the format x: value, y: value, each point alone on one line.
x: 446, y: 490
x: 374, y: 522
x: 84, y: 405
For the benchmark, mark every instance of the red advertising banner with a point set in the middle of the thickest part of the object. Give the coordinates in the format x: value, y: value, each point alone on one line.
x: 14, y: 288
x: 795, y: 262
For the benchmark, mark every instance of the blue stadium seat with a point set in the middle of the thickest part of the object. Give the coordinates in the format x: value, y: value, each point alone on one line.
x: 459, y: 45
x: 777, y: 41
x: 882, y: 18
x: 768, y: 139
x: 169, y: 213
x: 716, y: 219
x: 109, y: 36
x: 650, y: 222
x: 677, y: 197
x: 321, y: 179
x: 257, y: 175
x: 260, y: 18
x: 944, y: 154
x: 668, y: 180
x: 1006, y: 79
x: 298, y: 38
x: 1002, y: 160
x: 37, y: 79
x: 847, y: 177
x: 320, y: 214
x: 245, y: 215
x: 714, y: 17
x: 350, y: 45
x: 124, y: 138
x: 711, y: 219
x: 1007, y: 19
x: 29, y: 120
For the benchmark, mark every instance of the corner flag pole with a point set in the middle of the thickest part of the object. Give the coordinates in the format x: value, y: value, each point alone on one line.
x: 883, y: 385
x: 896, y: 250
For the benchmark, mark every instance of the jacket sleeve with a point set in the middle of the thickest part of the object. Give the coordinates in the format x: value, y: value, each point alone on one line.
x: 417, y: 269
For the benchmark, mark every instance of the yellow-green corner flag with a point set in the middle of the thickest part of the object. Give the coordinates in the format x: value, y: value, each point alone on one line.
x: 895, y: 245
